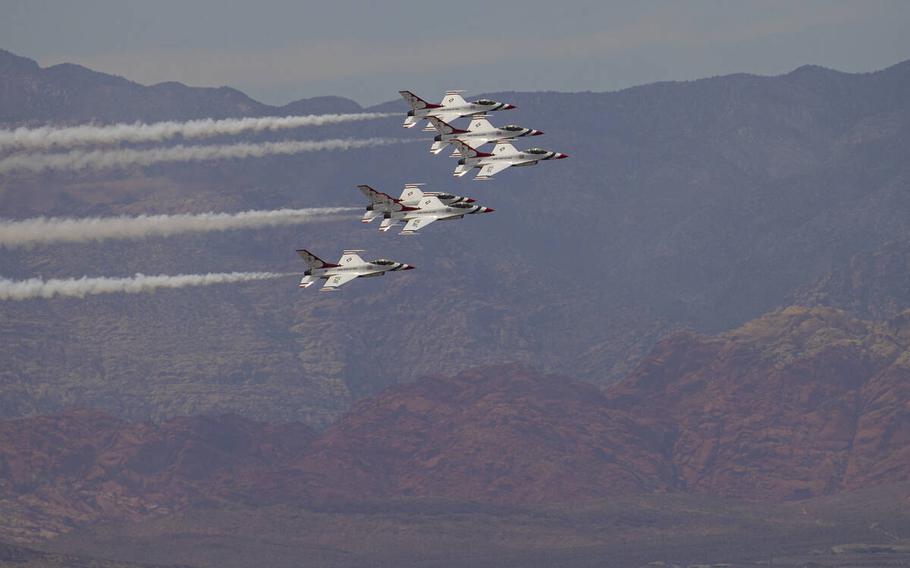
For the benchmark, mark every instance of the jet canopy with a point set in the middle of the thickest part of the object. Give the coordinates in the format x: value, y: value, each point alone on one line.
x: 383, y: 262
x: 538, y: 151
x: 461, y: 206
x: 512, y: 128
x: 486, y: 102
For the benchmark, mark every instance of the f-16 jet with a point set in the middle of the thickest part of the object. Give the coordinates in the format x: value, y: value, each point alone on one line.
x: 504, y: 155
x: 384, y: 205
x: 428, y: 210
x: 479, y: 132
x: 349, y: 267
x: 453, y: 106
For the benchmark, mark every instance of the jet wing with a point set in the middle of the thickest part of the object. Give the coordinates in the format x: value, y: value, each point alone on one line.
x: 350, y: 258
x: 479, y: 122
x: 417, y: 223
x: 490, y: 170
x: 503, y: 148
x: 447, y: 117
x: 336, y: 281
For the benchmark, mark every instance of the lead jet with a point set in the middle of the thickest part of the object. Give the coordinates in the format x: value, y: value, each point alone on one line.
x: 429, y: 209
x: 349, y: 267
x: 479, y: 132
x: 384, y: 205
x: 503, y: 156
x: 452, y: 106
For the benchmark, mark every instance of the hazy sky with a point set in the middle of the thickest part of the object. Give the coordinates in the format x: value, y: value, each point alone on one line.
x: 282, y: 50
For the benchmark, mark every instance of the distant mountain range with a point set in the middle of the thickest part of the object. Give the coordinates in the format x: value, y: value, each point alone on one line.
x: 688, y: 205
x: 72, y: 93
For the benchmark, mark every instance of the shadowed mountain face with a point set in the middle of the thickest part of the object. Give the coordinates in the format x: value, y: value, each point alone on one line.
x: 84, y: 466
x: 798, y: 403
x: 700, y: 204
x: 873, y: 284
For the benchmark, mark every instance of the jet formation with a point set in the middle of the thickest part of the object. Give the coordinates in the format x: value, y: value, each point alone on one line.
x: 479, y: 132
x: 417, y: 208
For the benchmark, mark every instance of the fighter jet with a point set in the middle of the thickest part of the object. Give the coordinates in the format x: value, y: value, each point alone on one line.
x: 503, y: 156
x: 452, y: 106
x: 349, y: 267
x: 429, y: 209
x: 384, y: 205
x: 479, y: 132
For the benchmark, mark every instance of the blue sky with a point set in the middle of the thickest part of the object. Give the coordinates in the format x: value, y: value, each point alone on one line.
x: 282, y: 50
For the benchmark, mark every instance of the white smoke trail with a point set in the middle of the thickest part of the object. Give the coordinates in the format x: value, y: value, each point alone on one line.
x: 42, y: 230
x: 81, y: 287
x: 100, y: 159
x: 47, y: 137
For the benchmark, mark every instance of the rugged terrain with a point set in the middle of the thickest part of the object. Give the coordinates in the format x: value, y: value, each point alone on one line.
x: 797, y: 404
x: 688, y: 343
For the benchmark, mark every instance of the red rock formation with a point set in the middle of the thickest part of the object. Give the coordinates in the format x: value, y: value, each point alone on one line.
x: 798, y: 403
x: 83, y: 465
x: 501, y: 434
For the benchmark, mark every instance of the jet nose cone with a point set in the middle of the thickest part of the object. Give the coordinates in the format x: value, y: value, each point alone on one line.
x: 488, y: 210
x: 537, y: 133
x: 408, y: 267
x: 509, y: 107
x: 470, y: 200
x: 560, y: 156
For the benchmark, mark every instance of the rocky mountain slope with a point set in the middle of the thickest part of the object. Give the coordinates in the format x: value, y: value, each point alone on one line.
x: 798, y: 403
x: 698, y: 205
x: 873, y: 285
x: 84, y: 466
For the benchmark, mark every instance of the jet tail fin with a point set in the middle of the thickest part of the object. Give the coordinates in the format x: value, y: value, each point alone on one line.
x: 468, y: 151
x: 312, y: 260
x: 375, y: 197
x: 444, y: 127
x: 416, y: 102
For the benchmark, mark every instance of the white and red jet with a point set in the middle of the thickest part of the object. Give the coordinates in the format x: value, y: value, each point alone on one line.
x: 478, y: 133
x: 503, y: 156
x: 428, y: 210
x: 383, y: 204
x: 349, y: 267
x: 452, y: 106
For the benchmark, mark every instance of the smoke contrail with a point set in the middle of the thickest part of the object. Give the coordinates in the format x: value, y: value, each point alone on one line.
x: 47, y: 137
x: 41, y: 230
x: 81, y: 287
x: 100, y: 159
